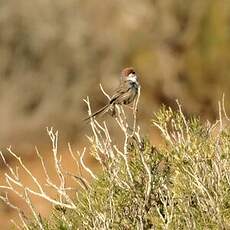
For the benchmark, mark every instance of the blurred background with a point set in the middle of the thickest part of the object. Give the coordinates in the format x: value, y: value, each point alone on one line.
x: 54, y: 53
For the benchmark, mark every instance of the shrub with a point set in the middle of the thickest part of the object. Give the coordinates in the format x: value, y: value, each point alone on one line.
x: 184, y: 184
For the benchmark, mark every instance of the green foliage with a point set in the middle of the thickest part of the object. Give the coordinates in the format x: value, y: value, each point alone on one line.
x: 185, y: 184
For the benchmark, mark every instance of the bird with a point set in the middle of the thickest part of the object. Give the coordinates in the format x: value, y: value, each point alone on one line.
x: 125, y: 94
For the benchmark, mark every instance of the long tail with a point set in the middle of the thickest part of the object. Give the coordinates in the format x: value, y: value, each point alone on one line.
x: 102, y: 111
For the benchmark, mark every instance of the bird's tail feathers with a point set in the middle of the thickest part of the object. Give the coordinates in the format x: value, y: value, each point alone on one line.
x: 100, y: 111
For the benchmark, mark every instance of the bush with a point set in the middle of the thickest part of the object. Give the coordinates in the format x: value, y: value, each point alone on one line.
x: 184, y: 184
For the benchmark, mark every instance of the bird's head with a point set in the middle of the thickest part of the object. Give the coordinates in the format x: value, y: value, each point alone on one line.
x: 128, y: 74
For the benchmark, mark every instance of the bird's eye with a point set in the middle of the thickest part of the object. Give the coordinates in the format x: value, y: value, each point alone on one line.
x: 133, y: 72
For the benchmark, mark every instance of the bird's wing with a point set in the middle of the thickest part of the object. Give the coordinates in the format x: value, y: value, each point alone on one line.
x: 121, y: 95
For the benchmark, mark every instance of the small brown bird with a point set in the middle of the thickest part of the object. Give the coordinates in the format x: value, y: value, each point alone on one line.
x: 125, y: 94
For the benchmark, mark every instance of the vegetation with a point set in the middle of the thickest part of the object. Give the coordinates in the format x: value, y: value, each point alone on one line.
x: 184, y: 184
